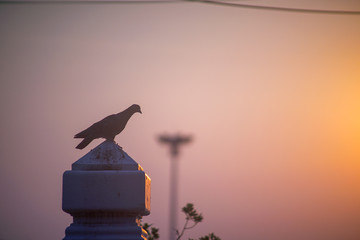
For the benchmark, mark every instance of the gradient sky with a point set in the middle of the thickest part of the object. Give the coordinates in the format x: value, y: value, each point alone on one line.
x: 272, y: 99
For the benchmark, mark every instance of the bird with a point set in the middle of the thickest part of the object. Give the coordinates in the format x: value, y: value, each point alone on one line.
x: 108, y: 127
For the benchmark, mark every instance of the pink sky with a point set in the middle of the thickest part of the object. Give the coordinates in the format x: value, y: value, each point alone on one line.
x: 272, y: 99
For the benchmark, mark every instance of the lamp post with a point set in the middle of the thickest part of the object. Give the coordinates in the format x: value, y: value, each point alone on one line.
x: 174, y: 142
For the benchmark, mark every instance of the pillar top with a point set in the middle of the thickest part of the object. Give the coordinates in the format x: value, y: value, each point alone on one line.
x: 106, y: 156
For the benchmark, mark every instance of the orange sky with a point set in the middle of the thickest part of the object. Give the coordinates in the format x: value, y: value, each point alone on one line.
x: 272, y: 99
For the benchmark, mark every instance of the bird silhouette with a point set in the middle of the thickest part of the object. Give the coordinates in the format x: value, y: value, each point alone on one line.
x: 108, y: 127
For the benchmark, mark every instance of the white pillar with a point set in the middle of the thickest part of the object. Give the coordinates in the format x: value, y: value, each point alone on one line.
x: 107, y: 193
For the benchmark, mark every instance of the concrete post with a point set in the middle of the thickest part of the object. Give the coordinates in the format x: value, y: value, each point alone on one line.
x: 107, y: 193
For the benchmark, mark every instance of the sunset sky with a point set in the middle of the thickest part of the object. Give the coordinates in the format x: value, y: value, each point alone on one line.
x: 272, y: 100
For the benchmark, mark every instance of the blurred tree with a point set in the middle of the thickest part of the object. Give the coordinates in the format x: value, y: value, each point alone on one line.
x: 210, y: 236
x: 191, y: 215
x: 152, y: 232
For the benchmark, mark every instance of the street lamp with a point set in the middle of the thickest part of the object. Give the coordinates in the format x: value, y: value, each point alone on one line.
x: 174, y: 142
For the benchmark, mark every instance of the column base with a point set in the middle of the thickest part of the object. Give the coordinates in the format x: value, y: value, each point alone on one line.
x: 105, y: 228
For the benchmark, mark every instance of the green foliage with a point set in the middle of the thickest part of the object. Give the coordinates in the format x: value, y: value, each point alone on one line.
x: 153, y: 232
x: 210, y: 236
x: 191, y: 217
x: 191, y: 213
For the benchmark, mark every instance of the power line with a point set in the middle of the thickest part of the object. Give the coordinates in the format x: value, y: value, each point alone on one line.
x: 88, y: 2
x: 284, y: 9
x: 222, y: 3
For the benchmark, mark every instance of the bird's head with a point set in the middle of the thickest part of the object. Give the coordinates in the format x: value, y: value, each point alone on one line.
x: 135, y: 108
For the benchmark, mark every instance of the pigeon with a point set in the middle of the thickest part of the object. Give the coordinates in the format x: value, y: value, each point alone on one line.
x: 108, y: 127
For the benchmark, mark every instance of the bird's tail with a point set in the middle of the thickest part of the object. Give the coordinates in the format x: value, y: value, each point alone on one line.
x: 84, y: 143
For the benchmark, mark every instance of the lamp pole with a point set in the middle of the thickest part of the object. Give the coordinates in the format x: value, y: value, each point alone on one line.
x: 174, y: 142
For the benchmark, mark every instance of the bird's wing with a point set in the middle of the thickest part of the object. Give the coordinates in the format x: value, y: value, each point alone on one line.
x: 87, y: 132
x: 97, y: 128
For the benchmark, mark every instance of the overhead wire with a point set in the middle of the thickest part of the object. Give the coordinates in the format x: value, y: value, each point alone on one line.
x: 274, y: 8
x: 214, y: 2
x: 87, y: 1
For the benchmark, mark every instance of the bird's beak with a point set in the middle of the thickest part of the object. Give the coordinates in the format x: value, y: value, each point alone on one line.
x: 140, y: 111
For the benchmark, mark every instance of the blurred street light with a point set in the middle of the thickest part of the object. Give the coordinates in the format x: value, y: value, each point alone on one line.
x: 174, y: 142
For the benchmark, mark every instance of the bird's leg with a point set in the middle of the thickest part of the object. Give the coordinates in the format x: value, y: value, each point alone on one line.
x: 110, y: 140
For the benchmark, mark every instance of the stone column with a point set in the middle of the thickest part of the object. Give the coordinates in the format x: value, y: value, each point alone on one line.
x: 107, y: 193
